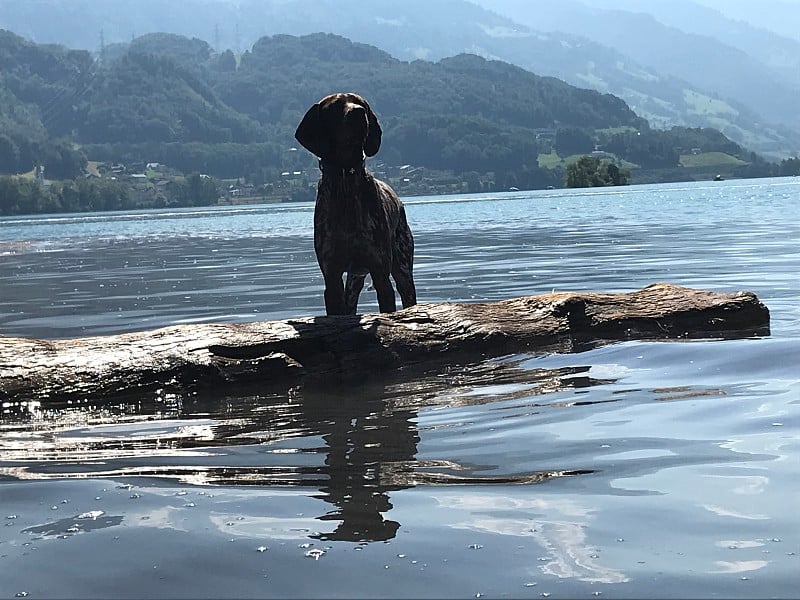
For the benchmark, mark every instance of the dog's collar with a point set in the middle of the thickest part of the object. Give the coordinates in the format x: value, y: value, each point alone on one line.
x: 327, y: 166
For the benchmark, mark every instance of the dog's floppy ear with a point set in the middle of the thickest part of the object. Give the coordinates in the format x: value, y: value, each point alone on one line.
x: 310, y: 132
x: 373, y: 142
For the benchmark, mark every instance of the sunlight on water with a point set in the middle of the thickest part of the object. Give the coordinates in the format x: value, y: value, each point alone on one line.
x: 630, y: 469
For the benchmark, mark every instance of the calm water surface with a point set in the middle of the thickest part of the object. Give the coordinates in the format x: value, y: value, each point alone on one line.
x: 635, y: 469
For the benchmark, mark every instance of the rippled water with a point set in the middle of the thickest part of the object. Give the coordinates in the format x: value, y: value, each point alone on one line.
x: 635, y: 469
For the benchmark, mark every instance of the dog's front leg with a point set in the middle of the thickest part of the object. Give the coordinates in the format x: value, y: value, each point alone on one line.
x: 334, y: 293
x: 352, y: 288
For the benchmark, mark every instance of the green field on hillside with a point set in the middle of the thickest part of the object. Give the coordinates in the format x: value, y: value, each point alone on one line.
x: 710, y: 159
x: 706, y: 105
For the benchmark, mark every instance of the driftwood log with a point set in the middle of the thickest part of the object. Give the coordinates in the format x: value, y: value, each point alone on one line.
x: 182, y: 358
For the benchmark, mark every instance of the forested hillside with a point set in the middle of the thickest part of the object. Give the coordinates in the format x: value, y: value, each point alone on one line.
x: 724, y: 75
x: 463, y: 113
x: 169, y: 99
x: 172, y: 100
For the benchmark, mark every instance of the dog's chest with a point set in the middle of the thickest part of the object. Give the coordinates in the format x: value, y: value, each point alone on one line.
x: 349, y: 208
x: 352, y: 224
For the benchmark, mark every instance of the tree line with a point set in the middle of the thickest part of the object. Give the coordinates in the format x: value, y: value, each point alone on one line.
x: 20, y: 196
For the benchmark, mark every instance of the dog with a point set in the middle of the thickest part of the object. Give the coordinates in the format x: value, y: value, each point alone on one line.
x: 360, y: 224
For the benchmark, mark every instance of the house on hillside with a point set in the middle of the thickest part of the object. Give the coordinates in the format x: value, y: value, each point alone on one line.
x: 243, y: 190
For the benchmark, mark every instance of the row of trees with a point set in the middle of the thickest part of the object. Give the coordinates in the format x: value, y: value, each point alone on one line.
x: 789, y: 167
x: 590, y: 171
x: 61, y: 159
x: 24, y: 196
x: 19, y: 195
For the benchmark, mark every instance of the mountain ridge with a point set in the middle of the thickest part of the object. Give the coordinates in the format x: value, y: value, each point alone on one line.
x: 162, y: 92
x: 432, y: 30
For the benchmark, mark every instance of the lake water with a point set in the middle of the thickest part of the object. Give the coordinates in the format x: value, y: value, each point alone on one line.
x: 638, y: 469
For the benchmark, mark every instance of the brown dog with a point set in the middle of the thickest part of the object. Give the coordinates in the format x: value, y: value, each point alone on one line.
x: 360, y: 224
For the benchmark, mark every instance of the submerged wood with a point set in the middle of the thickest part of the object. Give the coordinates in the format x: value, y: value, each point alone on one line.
x: 188, y: 357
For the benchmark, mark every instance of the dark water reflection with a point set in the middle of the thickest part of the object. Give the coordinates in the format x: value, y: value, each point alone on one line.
x: 81, y: 523
x: 355, y: 444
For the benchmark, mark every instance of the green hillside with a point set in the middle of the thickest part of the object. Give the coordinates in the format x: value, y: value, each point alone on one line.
x: 171, y: 100
x: 632, y: 56
x: 710, y: 159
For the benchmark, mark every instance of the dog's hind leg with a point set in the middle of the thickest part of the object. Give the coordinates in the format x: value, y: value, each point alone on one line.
x: 403, y: 268
x: 352, y: 289
x: 385, y: 291
x: 405, y: 286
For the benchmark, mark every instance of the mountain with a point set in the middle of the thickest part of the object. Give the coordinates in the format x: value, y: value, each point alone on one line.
x: 777, y: 53
x: 702, y: 60
x: 165, y: 88
x: 169, y: 99
x: 779, y: 16
x: 666, y: 74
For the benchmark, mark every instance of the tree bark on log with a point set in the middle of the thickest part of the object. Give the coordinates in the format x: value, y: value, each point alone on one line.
x: 183, y: 358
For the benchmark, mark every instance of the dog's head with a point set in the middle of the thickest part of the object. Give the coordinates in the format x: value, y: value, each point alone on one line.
x: 340, y: 128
